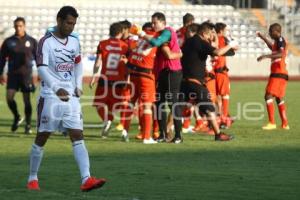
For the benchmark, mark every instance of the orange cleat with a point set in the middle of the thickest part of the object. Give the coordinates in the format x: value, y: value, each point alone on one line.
x: 33, y: 185
x: 92, y: 183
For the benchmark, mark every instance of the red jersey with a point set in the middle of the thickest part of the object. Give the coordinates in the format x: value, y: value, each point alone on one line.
x: 142, y: 54
x: 220, y: 61
x: 181, y: 36
x: 111, y: 51
x: 279, y: 65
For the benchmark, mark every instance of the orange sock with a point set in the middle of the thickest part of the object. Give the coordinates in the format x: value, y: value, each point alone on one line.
x: 105, y: 115
x: 147, y: 123
x: 225, y: 106
x: 282, y: 113
x: 187, y: 117
x: 199, y: 122
x: 271, y: 110
x: 155, y: 125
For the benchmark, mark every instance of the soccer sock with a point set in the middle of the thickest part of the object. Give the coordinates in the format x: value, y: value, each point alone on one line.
x: 36, y: 156
x: 82, y: 158
x: 13, y: 107
x: 271, y: 110
x: 282, y: 113
x: 155, y: 125
x: 199, y: 122
x: 147, y: 123
x: 187, y: 118
x: 225, y: 105
x: 28, y: 113
x: 102, y: 113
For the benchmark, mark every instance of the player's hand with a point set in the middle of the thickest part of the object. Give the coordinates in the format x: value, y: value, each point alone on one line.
x: 92, y: 83
x: 259, y: 34
x: 2, y: 81
x: 63, y: 94
x: 137, y: 30
x: 260, y: 58
x: 78, y: 92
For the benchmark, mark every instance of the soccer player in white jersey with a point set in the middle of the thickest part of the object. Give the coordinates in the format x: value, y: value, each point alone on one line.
x: 60, y: 69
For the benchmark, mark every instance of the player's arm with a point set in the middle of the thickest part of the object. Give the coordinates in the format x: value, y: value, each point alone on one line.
x: 78, y: 72
x: 281, y: 45
x: 170, y: 54
x: 164, y: 37
x: 3, y: 56
x: 224, y: 50
x: 97, y: 65
x: 265, y: 39
x: 45, y: 73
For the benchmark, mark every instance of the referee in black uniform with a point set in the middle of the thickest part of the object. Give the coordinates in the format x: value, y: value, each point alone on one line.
x: 19, y: 50
x: 195, y: 51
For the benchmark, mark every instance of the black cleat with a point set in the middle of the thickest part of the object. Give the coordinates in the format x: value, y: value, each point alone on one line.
x: 176, y: 140
x: 28, y: 129
x: 161, y: 139
x: 17, y: 121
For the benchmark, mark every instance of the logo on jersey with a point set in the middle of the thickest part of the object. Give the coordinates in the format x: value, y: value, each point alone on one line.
x: 110, y: 48
x: 64, y: 67
x: 27, y: 44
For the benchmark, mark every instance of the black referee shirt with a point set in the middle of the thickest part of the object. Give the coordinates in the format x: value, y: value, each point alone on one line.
x: 195, y: 52
x: 20, y: 53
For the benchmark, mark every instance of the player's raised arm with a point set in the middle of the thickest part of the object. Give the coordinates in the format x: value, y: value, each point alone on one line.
x: 265, y: 39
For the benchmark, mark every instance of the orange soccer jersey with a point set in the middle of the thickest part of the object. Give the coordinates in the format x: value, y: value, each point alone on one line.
x: 222, y: 79
x: 277, y: 85
x: 112, y: 70
x: 111, y: 51
x: 142, y: 59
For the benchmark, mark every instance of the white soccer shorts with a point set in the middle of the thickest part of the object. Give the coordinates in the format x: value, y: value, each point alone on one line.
x: 56, y: 115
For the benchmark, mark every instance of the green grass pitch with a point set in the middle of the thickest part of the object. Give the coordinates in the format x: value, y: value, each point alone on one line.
x: 256, y: 165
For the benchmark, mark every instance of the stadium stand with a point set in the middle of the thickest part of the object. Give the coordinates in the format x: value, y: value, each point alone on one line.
x: 96, y: 16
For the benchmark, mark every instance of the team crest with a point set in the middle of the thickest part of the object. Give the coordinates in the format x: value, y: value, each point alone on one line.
x: 27, y: 44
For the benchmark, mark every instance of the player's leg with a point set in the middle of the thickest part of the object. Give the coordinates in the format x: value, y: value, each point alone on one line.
x: 271, y: 112
x: 10, y: 99
x: 44, y: 128
x: 82, y: 158
x: 28, y: 111
x: 282, y: 112
x: 206, y: 106
x: 176, y: 101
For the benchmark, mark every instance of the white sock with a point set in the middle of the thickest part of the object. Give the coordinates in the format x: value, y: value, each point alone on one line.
x: 36, y: 156
x: 82, y: 158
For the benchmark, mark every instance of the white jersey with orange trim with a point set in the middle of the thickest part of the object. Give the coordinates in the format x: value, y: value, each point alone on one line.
x: 61, y: 58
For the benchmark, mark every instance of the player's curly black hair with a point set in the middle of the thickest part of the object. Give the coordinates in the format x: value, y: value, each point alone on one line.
x: 65, y: 11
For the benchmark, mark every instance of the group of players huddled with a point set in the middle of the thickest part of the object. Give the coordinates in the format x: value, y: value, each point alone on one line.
x: 149, y: 68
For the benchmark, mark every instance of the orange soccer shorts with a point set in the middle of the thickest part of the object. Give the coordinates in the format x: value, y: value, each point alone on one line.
x: 222, y: 84
x: 276, y: 87
x: 143, y: 87
x: 112, y: 97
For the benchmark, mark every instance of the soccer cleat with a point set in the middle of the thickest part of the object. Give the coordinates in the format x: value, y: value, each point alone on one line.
x: 106, y: 128
x: 176, y: 140
x: 92, y: 183
x: 33, y: 185
x: 139, y: 136
x: 285, y: 127
x: 125, y: 137
x: 190, y: 129
x: 28, y: 129
x: 223, y: 137
x: 149, y: 141
x: 119, y: 127
x: 17, y: 121
x: 269, y: 126
x: 161, y: 139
